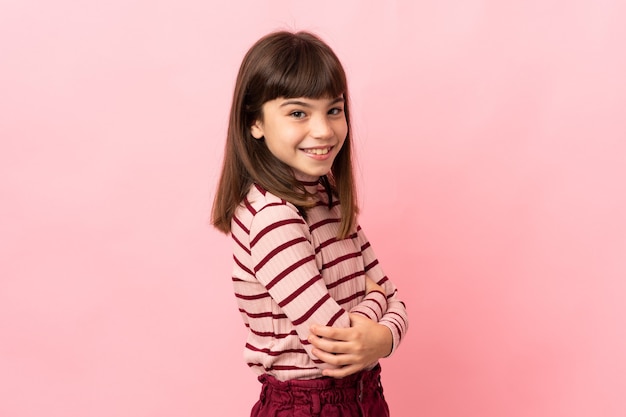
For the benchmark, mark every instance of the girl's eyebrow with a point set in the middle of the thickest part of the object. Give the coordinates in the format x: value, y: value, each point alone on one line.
x: 305, y: 104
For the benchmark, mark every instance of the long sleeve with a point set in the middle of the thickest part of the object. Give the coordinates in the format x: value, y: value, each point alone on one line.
x: 290, y: 272
x: 373, y: 306
x: 395, y: 317
x: 284, y: 263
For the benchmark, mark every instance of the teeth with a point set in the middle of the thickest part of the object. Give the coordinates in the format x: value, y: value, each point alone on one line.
x: 317, y: 151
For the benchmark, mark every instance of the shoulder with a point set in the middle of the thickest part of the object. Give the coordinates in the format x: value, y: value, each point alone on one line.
x: 260, y: 208
x: 260, y: 200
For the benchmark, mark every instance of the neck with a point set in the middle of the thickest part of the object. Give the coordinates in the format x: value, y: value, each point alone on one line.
x: 309, y: 182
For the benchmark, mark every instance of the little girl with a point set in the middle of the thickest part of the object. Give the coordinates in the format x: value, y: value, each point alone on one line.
x: 320, y: 311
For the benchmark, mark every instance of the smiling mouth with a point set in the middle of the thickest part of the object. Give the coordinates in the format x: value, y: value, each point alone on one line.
x: 317, y: 151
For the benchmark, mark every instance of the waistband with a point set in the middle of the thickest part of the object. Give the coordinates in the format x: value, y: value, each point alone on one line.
x: 321, y: 390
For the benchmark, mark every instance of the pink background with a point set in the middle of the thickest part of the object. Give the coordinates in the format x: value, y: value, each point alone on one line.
x: 491, y: 140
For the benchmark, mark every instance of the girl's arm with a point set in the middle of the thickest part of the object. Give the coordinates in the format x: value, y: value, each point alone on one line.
x: 283, y: 260
x: 396, y: 317
x: 365, y: 341
x: 374, y: 305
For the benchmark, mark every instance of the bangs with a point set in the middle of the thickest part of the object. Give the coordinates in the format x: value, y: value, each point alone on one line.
x: 304, y: 69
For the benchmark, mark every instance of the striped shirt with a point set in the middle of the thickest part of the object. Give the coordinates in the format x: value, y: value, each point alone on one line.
x: 290, y: 273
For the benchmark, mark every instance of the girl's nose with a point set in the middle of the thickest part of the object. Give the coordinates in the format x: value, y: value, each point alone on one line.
x: 321, y: 128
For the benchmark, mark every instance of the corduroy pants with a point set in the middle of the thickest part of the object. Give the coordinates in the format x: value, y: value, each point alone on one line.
x: 358, y: 395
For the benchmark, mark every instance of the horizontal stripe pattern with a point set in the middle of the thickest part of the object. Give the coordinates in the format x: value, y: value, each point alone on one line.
x: 289, y: 273
x: 395, y: 317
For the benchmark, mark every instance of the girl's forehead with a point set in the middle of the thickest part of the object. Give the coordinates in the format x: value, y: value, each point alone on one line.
x: 304, y: 100
x: 325, y: 97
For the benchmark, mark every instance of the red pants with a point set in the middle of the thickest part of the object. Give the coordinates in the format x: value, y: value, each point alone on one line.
x: 358, y: 395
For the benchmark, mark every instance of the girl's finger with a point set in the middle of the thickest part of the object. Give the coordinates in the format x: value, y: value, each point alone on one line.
x: 342, y: 372
x: 331, y: 332
x: 336, y: 359
x: 330, y: 346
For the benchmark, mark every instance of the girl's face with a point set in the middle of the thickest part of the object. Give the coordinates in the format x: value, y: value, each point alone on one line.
x: 304, y: 133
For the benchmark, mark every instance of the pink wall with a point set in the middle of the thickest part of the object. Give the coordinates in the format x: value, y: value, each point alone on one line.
x: 492, y: 143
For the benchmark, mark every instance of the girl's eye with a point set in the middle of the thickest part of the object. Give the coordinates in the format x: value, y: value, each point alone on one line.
x: 335, y: 111
x: 297, y: 114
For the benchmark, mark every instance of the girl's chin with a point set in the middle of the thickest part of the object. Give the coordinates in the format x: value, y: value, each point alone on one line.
x: 309, y: 176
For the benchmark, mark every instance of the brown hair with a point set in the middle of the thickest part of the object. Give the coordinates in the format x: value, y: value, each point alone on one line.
x: 281, y: 64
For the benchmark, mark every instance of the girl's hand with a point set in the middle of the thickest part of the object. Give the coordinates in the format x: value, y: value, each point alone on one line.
x: 354, y: 348
x: 370, y: 285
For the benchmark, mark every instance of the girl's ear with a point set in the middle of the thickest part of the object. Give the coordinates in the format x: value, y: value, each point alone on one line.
x: 257, y: 130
